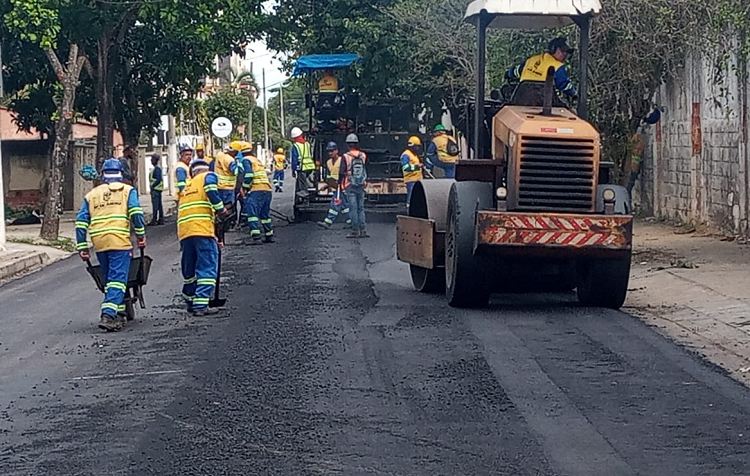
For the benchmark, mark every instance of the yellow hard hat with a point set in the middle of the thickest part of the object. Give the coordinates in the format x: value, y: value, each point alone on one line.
x: 414, y: 140
x: 240, y: 145
x: 280, y: 151
x: 199, y: 146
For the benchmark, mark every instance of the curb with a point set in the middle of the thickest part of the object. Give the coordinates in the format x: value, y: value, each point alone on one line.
x: 22, y: 263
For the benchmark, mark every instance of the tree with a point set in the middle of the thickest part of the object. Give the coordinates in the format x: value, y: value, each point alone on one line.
x: 38, y: 22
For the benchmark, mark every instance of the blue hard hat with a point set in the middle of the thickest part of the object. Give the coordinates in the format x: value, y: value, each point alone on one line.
x: 112, y: 165
x: 198, y: 163
x: 654, y: 117
x: 185, y: 147
x: 332, y: 146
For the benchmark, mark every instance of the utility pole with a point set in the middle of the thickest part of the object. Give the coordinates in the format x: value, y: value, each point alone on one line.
x: 265, y: 111
x: 252, y: 106
x: 2, y: 188
x: 281, y: 103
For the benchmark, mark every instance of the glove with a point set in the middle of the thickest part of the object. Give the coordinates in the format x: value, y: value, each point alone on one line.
x: 141, y: 242
x: 85, y: 255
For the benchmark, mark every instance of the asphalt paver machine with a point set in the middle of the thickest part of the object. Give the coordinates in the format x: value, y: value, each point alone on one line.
x: 382, y: 129
x: 531, y: 209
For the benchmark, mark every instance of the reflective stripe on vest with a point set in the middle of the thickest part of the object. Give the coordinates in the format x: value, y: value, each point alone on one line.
x: 441, y: 142
x: 334, y: 167
x: 414, y: 175
x: 535, y: 68
x: 110, y: 224
x: 158, y: 188
x: 304, y: 152
x: 195, y: 215
x: 260, y: 176
x: 227, y: 179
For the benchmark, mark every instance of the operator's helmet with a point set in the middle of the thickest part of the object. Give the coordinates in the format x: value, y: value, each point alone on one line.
x: 296, y: 132
x: 352, y: 139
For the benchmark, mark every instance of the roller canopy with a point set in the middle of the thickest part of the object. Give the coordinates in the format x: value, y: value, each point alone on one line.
x: 531, y: 14
x: 308, y: 64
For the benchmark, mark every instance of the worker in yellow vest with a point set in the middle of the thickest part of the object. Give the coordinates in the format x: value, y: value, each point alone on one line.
x: 411, y: 166
x: 443, y: 152
x: 303, y: 165
x: 225, y: 168
x: 106, y: 214
x: 536, y: 67
x: 256, y: 189
x: 279, y: 164
x: 200, y: 203
x: 182, y: 171
x: 338, y: 200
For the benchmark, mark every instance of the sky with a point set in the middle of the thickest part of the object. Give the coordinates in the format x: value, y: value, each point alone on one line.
x: 260, y: 57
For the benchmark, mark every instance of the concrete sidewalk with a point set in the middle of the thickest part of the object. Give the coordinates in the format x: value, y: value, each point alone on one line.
x: 26, y: 252
x: 695, y: 288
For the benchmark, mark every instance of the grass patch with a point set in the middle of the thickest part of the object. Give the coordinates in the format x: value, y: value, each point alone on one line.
x: 62, y: 243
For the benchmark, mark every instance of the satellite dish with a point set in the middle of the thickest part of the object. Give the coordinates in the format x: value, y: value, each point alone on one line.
x: 221, y: 127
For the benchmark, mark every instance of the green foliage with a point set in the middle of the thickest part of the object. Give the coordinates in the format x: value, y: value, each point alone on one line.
x: 36, y: 21
x: 231, y: 104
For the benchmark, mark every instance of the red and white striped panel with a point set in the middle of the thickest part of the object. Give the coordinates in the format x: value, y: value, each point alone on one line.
x: 531, y: 222
x: 562, y: 238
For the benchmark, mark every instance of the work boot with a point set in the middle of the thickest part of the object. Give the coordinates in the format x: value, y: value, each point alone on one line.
x: 108, y: 323
x: 206, y: 311
x: 160, y: 222
x: 324, y: 225
x: 363, y: 234
x: 269, y: 239
x: 121, y: 319
x: 151, y: 223
x: 256, y: 242
x: 353, y: 234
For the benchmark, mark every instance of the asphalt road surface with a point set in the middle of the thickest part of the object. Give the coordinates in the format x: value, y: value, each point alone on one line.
x: 327, y: 363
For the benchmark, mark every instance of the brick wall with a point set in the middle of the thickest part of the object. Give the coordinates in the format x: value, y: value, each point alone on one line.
x: 696, y: 164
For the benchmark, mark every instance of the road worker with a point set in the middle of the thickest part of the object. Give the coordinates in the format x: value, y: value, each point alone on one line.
x: 536, y: 67
x: 200, y: 153
x: 303, y: 165
x: 329, y: 104
x: 226, y: 167
x: 256, y: 189
x: 156, y: 187
x: 411, y: 166
x: 106, y: 214
x: 200, y: 203
x: 338, y: 200
x: 279, y: 164
x: 182, y: 171
x: 443, y: 152
x: 328, y: 84
x: 352, y: 179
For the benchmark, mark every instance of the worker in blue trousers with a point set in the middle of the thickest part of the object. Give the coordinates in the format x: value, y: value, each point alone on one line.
x: 199, y: 205
x: 338, y: 200
x: 256, y: 189
x: 107, y: 214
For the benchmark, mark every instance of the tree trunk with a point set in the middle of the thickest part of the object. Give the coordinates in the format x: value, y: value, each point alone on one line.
x: 105, y: 114
x: 68, y: 76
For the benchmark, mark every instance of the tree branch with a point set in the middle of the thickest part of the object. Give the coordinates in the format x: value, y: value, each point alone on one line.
x: 55, y: 61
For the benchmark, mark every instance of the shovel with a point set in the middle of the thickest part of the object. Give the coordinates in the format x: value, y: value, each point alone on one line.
x: 217, y: 300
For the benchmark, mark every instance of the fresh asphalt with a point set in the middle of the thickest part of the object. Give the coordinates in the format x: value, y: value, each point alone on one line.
x: 327, y: 363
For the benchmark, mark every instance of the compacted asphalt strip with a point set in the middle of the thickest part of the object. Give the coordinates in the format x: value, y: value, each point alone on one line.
x: 326, y: 362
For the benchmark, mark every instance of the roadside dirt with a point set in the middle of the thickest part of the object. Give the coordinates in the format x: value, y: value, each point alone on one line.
x: 692, y: 285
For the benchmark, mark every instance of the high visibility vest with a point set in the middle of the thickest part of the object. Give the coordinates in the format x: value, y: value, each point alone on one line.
x: 334, y: 166
x: 260, y: 176
x: 110, y: 222
x: 195, y: 215
x: 279, y: 161
x: 535, y: 68
x: 223, y: 171
x: 414, y: 175
x: 181, y: 165
x: 304, y: 152
x: 328, y: 84
x: 441, y: 142
x: 158, y: 188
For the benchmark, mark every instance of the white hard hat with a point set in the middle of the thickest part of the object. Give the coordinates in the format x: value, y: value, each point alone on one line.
x: 352, y: 139
x: 296, y: 132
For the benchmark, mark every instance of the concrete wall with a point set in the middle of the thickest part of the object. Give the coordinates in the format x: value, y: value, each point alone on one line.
x: 696, y: 164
